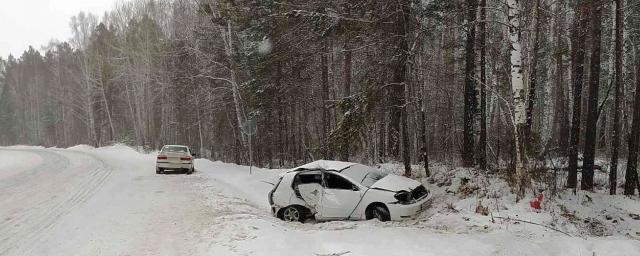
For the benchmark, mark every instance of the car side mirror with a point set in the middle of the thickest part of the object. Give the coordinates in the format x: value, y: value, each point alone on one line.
x: 355, y: 188
x: 194, y: 154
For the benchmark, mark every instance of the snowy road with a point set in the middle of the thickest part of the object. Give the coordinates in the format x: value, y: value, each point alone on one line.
x: 66, y: 202
x: 40, y: 190
x: 109, y: 201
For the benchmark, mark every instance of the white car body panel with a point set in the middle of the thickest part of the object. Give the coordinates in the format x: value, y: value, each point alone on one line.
x: 402, y: 211
x: 338, y: 203
x: 174, y: 166
x: 311, y: 193
x: 332, y: 204
x: 374, y: 196
x: 285, y: 195
x: 396, y: 183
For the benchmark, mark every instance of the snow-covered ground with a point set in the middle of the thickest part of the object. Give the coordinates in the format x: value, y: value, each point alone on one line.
x: 109, y: 201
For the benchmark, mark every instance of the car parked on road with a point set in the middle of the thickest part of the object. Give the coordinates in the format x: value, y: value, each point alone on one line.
x: 334, y: 190
x: 175, y: 158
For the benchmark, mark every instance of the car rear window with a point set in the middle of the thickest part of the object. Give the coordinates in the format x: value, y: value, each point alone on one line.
x: 174, y: 149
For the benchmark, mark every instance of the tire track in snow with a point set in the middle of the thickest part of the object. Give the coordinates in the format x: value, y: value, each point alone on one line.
x: 63, y: 209
x: 23, y: 231
x: 20, y: 189
x: 33, y: 224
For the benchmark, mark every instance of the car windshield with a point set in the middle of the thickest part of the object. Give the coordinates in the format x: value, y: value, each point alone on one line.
x: 174, y: 149
x: 366, y: 175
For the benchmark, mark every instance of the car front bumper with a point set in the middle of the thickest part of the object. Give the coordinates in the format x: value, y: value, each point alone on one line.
x: 174, y: 166
x: 406, y: 211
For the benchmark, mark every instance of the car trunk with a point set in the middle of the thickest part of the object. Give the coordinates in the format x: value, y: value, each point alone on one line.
x: 174, y: 157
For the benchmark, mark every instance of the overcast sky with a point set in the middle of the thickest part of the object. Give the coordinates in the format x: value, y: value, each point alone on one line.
x: 36, y: 22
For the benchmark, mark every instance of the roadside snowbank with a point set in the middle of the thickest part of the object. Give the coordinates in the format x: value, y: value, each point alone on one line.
x: 450, y: 227
x: 235, y: 180
x: 15, y: 162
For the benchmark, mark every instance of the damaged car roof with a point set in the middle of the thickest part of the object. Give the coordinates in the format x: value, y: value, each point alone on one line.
x: 324, y: 165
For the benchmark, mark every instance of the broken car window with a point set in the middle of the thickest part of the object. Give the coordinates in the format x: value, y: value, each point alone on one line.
x: 306, y: 178
x: 372, y: 177
x: 365, y: 174
x: 337, y: 182
x: 310, y: 178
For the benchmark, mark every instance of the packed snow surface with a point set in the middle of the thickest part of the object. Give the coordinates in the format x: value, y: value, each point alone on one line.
x: 109, y: 201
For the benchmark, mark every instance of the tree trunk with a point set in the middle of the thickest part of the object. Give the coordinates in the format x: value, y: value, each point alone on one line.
x: 406, y: 148
x: 234, y: 80
x: 397, y: 102
x: 594, y: 87
x: 344, y: 144
x: 424, y: 150
x: 103, y: 82
x: 631, y: 175
x: 227, y: 37
x: 517, y: 87
x: 527, y: 140
x: 615, y: 136
x: 483, y: 91
x: 382, y: 137
x: 469, y: 88
x: 325, y: 99
x: 561, y: 122
x: 577, y: 52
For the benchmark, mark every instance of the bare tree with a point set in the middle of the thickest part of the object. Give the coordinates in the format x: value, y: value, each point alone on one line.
x: 483, y: 84
x: 577, y: 62
x: 470, y: 100
x: 594, y: 90
x: 631, y: 175
x: 517, y: 87
x: 615, y: 137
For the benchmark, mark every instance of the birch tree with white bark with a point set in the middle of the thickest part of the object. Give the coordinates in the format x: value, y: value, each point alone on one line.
x: 518, y: 90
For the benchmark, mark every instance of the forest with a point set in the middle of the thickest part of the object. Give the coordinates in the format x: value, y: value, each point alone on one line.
x: 537, y: 90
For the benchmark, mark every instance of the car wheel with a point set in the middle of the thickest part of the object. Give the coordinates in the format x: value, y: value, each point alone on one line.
x: 158, y: 171
x: 381, y: 213
x: 293, y: 213
x: 190, y: 171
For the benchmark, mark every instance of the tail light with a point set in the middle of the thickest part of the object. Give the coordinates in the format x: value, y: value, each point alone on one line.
x: 162, y: 157
x: 185, y: 158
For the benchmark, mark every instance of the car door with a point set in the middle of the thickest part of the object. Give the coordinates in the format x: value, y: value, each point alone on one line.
x: 312, y: 193
x: 307, y: 185
x: 339, y: 197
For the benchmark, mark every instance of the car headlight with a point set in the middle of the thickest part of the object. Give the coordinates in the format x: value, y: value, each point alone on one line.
x: 403, y: 197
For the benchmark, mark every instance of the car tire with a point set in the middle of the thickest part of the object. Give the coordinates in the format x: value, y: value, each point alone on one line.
x: 159, y: 171
x: 190, y: 171
x: 294, y: 213
x: 380, y: 212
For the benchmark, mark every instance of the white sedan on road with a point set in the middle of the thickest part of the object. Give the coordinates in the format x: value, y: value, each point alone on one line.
x: 333, y: 190
x: 175, y: 158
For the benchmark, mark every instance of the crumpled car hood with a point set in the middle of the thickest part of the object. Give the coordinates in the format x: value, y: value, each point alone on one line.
x: 396, y: 183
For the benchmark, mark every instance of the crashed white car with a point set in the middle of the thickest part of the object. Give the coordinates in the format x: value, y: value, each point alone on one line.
x: 333, y: 190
